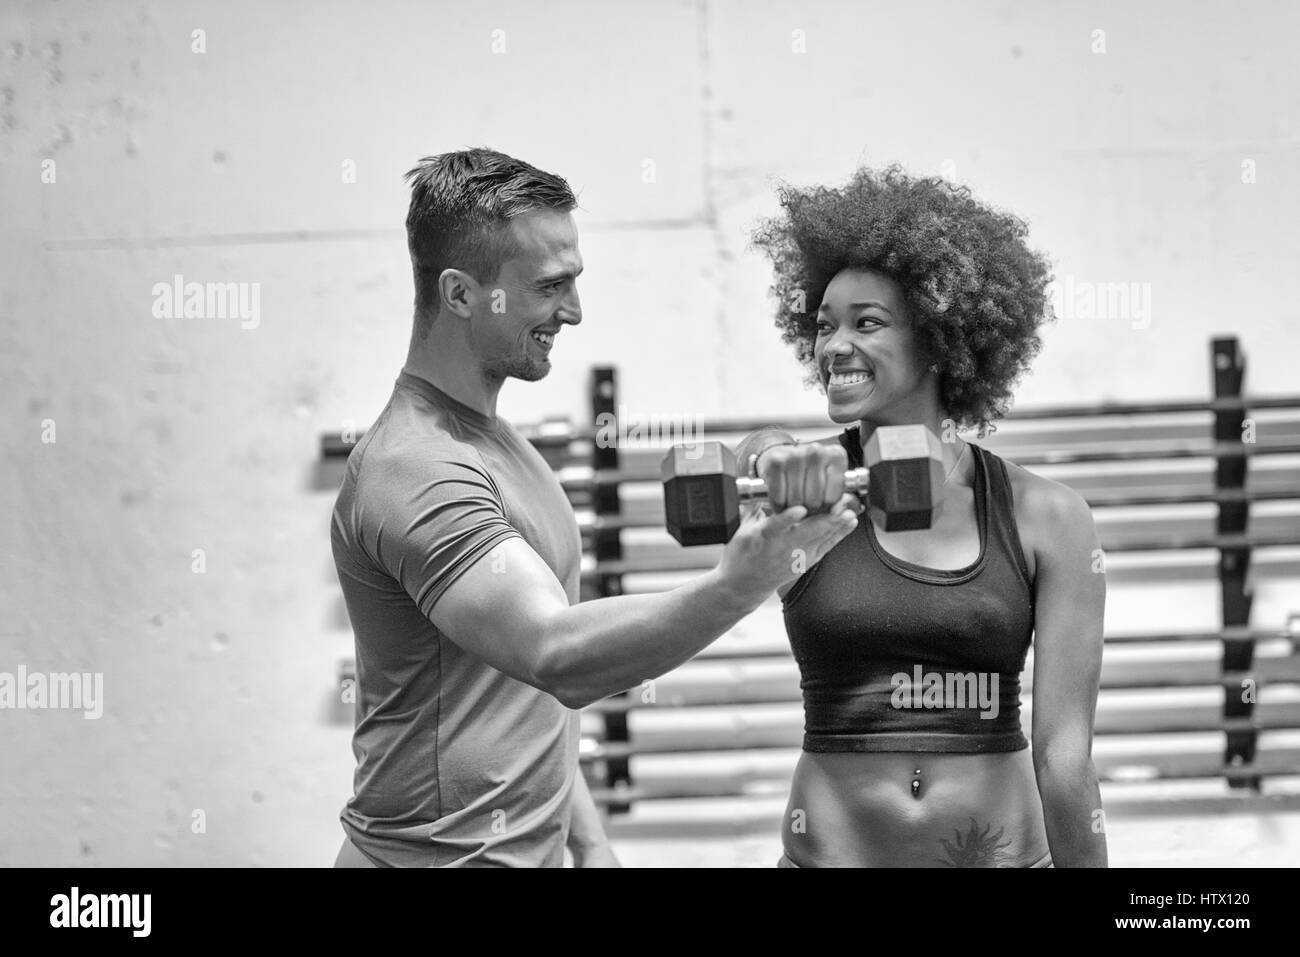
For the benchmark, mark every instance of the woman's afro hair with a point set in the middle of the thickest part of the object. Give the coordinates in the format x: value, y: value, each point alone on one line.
x: 975, y: 292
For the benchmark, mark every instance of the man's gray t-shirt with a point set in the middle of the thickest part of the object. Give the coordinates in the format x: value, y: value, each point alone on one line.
x: 457, y: 763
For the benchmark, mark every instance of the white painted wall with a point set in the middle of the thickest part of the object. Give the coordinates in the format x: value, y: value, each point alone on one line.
x: 176, y: 435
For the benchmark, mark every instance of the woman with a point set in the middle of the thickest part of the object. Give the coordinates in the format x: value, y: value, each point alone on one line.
x: 909, y: 302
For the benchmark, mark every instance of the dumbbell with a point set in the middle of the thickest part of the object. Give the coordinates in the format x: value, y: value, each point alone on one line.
x: 702, y: 494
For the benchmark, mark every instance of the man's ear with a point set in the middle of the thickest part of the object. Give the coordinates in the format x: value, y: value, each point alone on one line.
x: 458, y: 290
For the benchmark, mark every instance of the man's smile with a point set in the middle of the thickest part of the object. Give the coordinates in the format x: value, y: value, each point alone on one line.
x: 543, y: 338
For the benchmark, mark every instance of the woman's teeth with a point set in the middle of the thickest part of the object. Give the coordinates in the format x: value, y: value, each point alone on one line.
x: 849, y: 378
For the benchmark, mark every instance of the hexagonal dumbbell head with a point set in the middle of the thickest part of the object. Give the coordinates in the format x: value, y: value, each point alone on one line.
x: 906, y: 465
x: 700, y: 503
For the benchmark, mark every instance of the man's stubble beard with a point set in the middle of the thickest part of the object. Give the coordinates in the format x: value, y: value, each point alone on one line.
x: 516, y: 367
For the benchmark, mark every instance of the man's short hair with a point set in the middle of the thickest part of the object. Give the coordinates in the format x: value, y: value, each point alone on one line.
x: 461, y: 204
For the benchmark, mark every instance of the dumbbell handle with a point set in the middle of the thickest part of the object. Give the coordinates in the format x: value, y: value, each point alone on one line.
x: 754, y: 490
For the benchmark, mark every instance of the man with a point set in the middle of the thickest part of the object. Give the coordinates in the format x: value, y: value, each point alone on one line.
x: 458, y: 554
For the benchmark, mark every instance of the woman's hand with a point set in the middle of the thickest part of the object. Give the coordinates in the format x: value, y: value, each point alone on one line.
x: 808, y: 475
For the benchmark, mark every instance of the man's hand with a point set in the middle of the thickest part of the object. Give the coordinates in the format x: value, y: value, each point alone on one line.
x: 770, y: 551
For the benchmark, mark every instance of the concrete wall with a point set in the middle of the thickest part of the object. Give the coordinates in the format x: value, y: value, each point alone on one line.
x: 171, y: 537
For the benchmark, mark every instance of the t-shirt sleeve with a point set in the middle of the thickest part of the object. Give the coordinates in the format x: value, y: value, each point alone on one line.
x: 426, y: 522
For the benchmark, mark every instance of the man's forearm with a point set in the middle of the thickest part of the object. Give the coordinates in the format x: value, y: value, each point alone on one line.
x: 608, y: 645
x: 1073, y: 815
x: 611, y: 644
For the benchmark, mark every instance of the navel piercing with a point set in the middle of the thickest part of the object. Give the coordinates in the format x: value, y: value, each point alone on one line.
x: 916, y: 785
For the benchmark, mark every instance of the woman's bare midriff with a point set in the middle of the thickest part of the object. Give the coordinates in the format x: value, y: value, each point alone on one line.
x: 858, y: 810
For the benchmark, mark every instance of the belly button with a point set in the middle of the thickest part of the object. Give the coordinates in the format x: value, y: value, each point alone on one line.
x: 916, y: 785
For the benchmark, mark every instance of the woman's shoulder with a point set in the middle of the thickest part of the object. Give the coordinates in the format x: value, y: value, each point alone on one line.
x: 1044, y: 502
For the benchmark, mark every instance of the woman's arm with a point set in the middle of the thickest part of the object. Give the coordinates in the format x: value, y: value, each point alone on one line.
x: 1070, y: 601
x: 758, y: 442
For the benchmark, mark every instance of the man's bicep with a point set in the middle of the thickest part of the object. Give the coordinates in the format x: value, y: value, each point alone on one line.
x: 498, y: 608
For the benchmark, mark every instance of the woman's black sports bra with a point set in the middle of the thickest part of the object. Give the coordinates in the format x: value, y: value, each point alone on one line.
x: 894, y: 656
